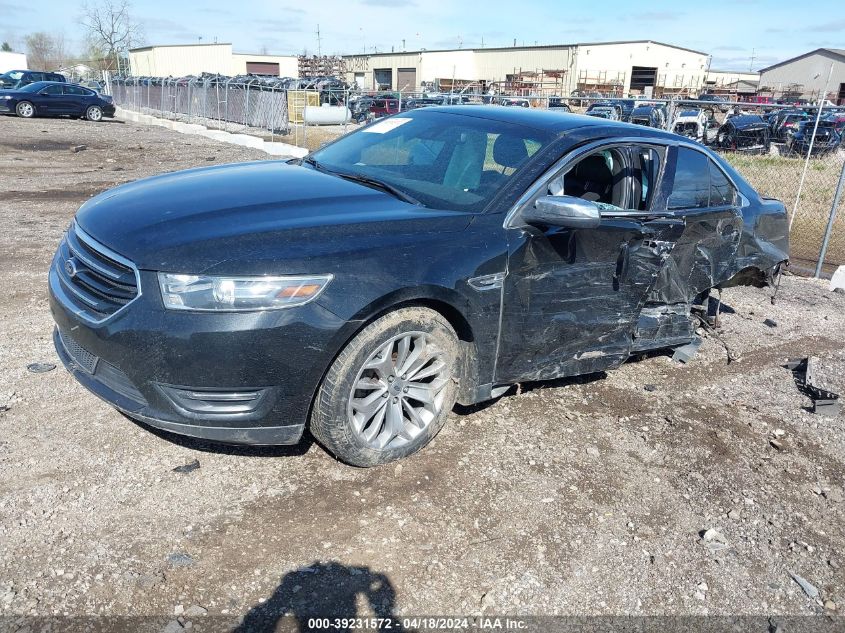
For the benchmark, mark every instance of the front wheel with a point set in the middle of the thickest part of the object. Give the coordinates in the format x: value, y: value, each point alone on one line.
x: 94, y: 113
x: 390, y: 390
x: 25, y: 110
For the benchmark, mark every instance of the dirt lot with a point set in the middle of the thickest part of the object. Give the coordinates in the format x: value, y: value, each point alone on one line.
x: 575, y: 497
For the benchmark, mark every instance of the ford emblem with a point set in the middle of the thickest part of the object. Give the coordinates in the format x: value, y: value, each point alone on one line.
x: 70, y: 268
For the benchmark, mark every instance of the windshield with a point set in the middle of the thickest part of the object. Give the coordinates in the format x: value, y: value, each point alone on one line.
x: 12, y: 75
x: 443, y: 160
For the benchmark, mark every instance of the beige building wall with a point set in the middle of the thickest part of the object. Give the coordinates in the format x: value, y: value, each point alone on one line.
x: 178, y: 61
x: 496, y: 63
x: 288, y: 64
x: 676, y: 68
x: 195, y: 59
x: 719, y: 78
x: 808, y: 74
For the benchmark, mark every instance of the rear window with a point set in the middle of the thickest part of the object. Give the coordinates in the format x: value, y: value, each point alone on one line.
x: 692, y: 181
x: 699, y: 183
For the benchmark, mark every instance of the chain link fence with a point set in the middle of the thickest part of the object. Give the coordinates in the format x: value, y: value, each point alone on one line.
x: 225, y: 103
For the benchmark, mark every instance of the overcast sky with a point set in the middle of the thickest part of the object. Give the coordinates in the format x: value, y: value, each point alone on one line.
x: 730, y: 30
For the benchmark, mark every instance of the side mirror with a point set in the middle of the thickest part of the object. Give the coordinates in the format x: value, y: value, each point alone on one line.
x: 563, y: 211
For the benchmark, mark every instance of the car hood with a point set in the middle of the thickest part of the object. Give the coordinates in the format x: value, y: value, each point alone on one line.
x: 251, y: 218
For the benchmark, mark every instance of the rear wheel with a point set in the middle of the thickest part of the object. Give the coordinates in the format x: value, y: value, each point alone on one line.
x: 25, y: 110
x: 390, y: 390
x: 94, y: 113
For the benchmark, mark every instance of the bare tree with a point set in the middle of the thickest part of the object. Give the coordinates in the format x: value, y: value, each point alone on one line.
x: 110, y: 29
x: 6, y: 48
x: 45, y: 51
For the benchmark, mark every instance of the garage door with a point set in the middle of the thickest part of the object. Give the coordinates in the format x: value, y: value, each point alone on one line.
x: 262, y: 68
x: 383, y: 78
x: 406, y: 78
x: 642, y: 76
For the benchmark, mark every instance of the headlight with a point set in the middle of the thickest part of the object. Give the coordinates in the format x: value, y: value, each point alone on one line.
x: 239, y: 294
x: 6, y: 97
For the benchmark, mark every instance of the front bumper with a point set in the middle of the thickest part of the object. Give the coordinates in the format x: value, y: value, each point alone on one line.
x: 245, y: 378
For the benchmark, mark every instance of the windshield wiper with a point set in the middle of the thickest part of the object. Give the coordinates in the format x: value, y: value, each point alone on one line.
x: 372, y: 182
x: 378, y: 184
x: 364, y: 180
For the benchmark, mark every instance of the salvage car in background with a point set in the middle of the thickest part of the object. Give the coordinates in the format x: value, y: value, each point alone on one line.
x: 747, y: 133
x: 716, y: 101
x: 786, y: 121
x: 691, y: 123
x: 49, y: 98
x: 518, y: 102
x: 604, y: 111
x: 437, y: 256
x: 827, y: 139
x: 649, y: 116
x: 559, y: 104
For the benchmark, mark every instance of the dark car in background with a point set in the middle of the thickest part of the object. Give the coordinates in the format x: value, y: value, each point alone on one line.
x: 441, y: 255
x: 559, y: 104
x: 747, y: 133
x: 605, y: 110
x: 787, y: 120
x: 48, y: 98
x: 420, y: 102
x: 649, y: 116
x: 20, y: 78
x: 827, y: 138
x: 626, y: 107
x: 519, y: 102
x: 716, y: 101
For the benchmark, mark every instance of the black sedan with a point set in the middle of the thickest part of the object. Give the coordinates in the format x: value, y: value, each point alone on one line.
x: 52, y: 98
x: 435, y: 256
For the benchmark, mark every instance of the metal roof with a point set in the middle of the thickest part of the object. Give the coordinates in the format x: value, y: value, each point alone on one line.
x: 525, y: 48
x: 836, y: 52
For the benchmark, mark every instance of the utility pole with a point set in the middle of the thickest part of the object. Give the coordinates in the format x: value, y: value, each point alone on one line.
x: 753, y: 57
x: 318, y: 42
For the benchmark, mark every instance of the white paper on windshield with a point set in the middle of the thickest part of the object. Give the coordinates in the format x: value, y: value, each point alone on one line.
x: 385, y: 126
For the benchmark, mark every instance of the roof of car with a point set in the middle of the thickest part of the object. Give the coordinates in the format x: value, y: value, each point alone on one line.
x: 547, y: 120
x: 746, y: 121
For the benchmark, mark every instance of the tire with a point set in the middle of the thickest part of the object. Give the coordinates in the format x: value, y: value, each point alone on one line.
x: 383, y: 421
x: 94, y: 113
x: 25, y: 110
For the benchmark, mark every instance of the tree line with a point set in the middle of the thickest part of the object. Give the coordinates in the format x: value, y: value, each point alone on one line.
x: 109, y: 30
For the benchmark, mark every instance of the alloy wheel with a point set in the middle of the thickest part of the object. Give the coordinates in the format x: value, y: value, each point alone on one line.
x: 26, y: 110
x: 399, y: 391
x: 94, y: 114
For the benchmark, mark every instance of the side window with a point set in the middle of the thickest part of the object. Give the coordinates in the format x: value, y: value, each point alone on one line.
x: 75, y: 90
x: 691, y: 189
x: 722, y: 192
x: 598, y: 177
x: 52, y: 90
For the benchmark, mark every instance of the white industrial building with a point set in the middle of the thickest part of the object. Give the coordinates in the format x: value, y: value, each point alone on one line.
x: 807, y: 75
x: 12, y: 61
x: 635, y: 67
x: 179, y: 60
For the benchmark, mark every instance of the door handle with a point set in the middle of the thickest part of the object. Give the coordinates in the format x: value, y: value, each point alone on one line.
x: 621, y: 265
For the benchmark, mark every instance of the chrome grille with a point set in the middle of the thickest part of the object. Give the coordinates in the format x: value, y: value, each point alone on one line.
x: 97, y: 281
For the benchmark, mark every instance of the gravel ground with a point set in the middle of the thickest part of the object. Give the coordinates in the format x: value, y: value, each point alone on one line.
x: 579, y: 497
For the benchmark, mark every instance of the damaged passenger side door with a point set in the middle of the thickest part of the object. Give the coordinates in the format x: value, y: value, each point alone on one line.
x: 572, y: 296
x: 705, y: 254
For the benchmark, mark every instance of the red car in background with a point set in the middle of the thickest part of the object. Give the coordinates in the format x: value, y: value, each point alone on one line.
x: 384, y: 107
